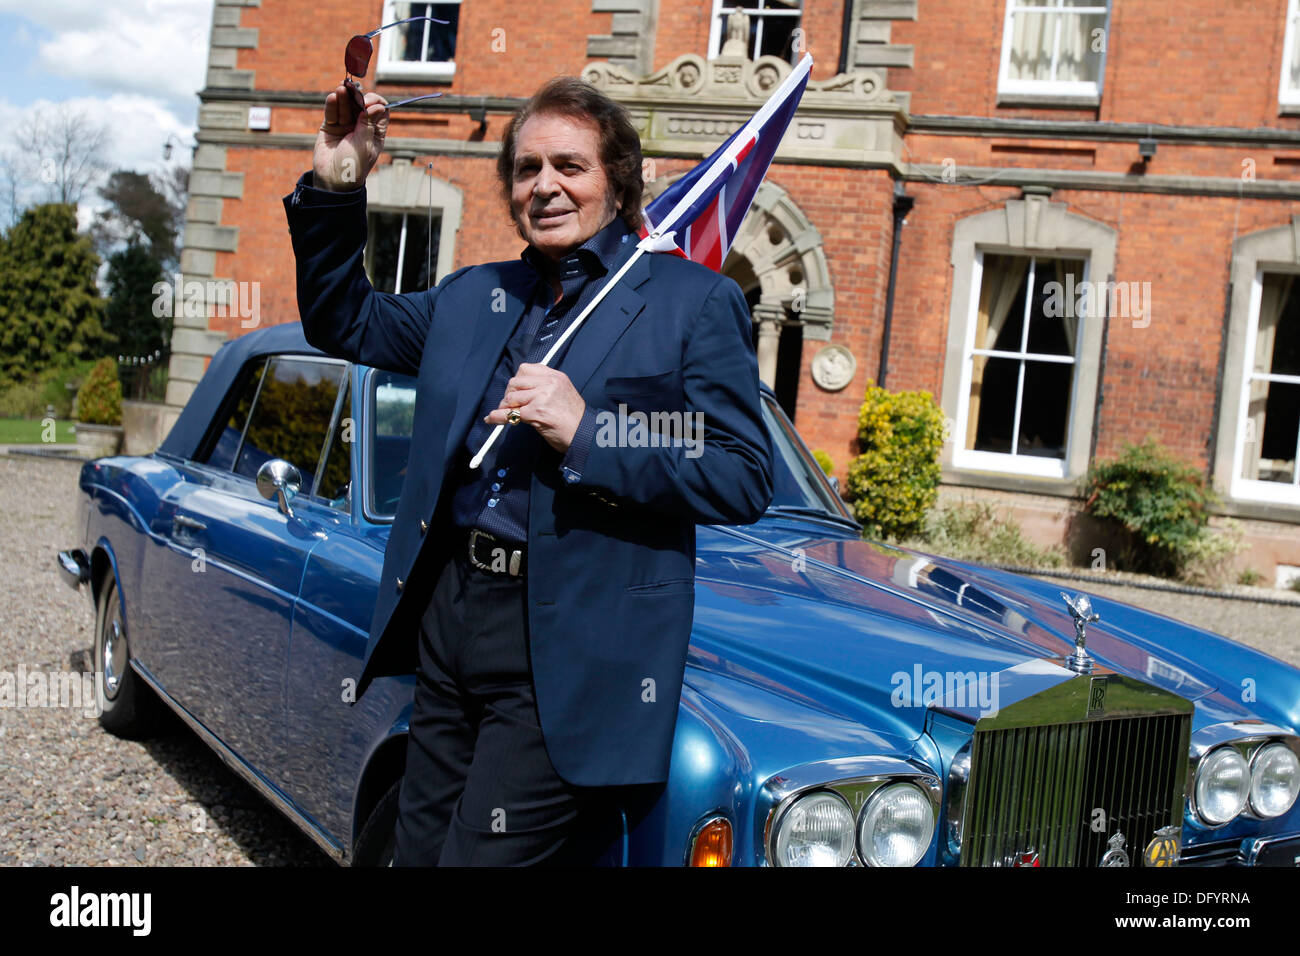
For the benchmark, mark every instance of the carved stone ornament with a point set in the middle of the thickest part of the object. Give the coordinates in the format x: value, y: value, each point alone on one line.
x: 737, y: 35
x: 689, y: 106
x: 734, y: 78
x: 833, y: 367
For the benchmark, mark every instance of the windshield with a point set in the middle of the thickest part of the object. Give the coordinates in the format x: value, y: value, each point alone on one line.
x: 799, y: 481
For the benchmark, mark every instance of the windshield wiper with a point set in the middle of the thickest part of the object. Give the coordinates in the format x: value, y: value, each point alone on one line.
x: 804, y: 511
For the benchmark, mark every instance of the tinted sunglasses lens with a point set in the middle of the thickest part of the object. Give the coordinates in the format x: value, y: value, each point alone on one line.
x: 356, y: 59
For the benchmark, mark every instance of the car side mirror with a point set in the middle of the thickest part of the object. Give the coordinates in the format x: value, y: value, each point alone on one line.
x: 280, y: 480
x: 835, y: 483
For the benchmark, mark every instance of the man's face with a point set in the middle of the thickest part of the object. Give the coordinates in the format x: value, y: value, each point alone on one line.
x: 560, y: 196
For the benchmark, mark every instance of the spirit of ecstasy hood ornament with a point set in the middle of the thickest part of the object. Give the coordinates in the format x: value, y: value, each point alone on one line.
x: 1081, y: 609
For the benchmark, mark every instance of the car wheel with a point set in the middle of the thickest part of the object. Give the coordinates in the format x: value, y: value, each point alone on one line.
x: 374, y: 846
x: 128, y: 707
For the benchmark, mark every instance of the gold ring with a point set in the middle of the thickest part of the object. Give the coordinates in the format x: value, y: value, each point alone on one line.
x: 513, y: 417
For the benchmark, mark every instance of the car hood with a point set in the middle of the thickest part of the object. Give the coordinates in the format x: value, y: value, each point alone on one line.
x: 863, y: 630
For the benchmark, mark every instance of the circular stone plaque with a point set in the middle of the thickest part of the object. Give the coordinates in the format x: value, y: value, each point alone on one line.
x: 833, y: 367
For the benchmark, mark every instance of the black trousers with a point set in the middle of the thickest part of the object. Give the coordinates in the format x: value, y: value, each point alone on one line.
x: 479, y: 787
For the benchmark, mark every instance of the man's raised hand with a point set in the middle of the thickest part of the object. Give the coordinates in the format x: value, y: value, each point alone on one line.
x: 348, y: 145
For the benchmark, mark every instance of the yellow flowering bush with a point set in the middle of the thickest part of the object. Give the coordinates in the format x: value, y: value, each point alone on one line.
x: 895, y: 480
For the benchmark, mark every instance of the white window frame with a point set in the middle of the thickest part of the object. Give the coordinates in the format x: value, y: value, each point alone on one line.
x: 1289, y: 95
x: 1252, y: 489
x: 721, y: 7
x: 1012, y: 461
x: 388, y: 69
x: 1050, y: 88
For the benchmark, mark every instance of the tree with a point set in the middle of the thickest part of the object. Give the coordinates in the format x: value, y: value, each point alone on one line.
x: 138, y: 233
x: 142, y: 207
x: 174, y: 184
x: 10, y: 189
x: 67, y: 148
x: 50, y: 307
x: 129, y: 316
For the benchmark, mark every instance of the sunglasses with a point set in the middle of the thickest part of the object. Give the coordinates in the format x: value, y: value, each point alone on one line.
x: 356, y: 60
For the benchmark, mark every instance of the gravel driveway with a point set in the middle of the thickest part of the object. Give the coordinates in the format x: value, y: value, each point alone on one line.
x: 75, y: 795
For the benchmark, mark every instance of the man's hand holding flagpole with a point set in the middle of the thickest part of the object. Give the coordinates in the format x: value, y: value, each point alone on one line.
x: 697, y: 195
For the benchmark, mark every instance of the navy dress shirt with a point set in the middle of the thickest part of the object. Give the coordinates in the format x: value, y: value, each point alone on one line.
x: 495, y: 496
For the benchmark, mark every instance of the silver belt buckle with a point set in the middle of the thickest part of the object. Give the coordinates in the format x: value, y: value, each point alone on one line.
x: 516, y: 557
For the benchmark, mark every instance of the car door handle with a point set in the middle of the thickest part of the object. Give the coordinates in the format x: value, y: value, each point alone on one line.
x: 193, y: 524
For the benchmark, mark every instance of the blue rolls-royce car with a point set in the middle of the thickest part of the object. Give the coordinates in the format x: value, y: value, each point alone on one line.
x: 846, y: 703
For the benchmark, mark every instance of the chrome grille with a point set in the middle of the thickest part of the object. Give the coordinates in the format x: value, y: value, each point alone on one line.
x: 1037, y: 787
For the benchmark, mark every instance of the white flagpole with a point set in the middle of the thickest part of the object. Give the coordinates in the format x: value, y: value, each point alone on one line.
x: 661, y: 241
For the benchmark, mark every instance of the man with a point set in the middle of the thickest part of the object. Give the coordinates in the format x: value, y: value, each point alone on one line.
x: 545, y: 599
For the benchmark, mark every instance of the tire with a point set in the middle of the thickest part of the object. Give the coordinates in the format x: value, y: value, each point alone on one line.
x: 129, y: 709
x: 374, y: 846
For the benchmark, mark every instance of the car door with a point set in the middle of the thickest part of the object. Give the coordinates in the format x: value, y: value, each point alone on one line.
x: 329, y: 738
x: 224, y: 585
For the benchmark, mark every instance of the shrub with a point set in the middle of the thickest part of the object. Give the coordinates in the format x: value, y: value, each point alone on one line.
x: 31, y: 398
x: 1210, y: 555
x: 1249, y: 577
x: 973, y: 531
x: 100, y: 400
x: 59, y: 386
x: 895, y: 480
x: 1156, y: 503
x: 824, y: 460
x: 21, y: 401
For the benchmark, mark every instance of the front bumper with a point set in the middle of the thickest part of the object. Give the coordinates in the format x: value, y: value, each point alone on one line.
x: 1280, y: 850
x: 75, y: 567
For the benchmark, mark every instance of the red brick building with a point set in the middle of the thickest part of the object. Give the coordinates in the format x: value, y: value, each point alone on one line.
x: 1090, y: 209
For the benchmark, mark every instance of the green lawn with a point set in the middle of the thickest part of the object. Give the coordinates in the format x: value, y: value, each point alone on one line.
x: 29, y: 431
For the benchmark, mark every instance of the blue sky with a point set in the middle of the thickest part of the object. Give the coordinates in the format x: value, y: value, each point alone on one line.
x: 136, y: 65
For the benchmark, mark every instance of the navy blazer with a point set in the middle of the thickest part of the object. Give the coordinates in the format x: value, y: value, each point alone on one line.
x: 611, y: 552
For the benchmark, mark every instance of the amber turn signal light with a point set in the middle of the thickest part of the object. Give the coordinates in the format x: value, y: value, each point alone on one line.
x: 712, y: 844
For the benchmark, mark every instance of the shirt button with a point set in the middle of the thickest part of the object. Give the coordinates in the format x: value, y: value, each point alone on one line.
x: 399, y: 584
x: 501, y: 472
x: 424, y: 526
x: 496, y: 486
x: 492, y: 502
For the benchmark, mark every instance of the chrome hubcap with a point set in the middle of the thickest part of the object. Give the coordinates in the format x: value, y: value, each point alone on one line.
x: 114, y: 654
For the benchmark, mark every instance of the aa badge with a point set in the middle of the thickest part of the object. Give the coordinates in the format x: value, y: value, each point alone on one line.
x: 1164, y: 848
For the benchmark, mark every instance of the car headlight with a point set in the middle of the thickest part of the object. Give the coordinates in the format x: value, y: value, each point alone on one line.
x: 896, y: 827
x: 1223, y: 783
x: 1274, y: 780
x: 815, y: 830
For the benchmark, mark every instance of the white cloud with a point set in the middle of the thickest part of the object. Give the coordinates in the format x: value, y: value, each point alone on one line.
x: 153, y: 47
x: 138, y: 65
x: 137, y: 126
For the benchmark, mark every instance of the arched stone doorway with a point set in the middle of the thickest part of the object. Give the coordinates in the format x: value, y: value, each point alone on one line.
x: 778, y: 261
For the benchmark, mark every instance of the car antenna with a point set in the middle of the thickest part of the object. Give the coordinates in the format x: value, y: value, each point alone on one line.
x: 428, y: 255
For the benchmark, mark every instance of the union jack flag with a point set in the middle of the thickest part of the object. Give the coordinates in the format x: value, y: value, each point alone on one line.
x: 705, y: 208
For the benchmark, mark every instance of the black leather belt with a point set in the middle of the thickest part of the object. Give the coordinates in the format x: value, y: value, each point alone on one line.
x: 496, y: 555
